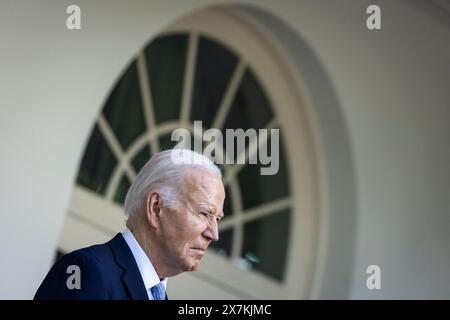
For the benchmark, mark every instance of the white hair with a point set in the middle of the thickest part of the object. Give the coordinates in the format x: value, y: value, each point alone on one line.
x: 161, y: 174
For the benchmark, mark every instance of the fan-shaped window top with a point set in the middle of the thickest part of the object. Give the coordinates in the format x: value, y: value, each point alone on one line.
x: 168, y: 86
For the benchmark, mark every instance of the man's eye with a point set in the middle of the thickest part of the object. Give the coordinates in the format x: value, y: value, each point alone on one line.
x: 210, y: 216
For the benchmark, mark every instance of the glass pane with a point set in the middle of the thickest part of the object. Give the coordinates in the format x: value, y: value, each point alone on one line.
x: 141, y: 158
x: 259, y: 189
x: 227, y: 207
x: 265, y: 244
x: 97, y: 164
x: 250, y: 108
x: 223, y: 245
x: 122, y: 190
x: 166, y: 58
x: 165, y: 143
x: 123, y: 110
x: 215, y: 66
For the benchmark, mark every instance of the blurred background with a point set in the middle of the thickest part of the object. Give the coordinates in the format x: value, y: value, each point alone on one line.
x: 363, y: 115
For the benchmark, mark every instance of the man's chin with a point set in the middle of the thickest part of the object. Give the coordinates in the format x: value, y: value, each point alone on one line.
x: 194, y: 266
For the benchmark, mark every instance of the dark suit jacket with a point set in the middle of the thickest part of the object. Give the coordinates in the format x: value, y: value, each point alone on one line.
x: 107, y: 271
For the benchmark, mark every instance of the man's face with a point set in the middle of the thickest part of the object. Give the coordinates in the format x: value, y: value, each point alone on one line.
x: 187, y: 230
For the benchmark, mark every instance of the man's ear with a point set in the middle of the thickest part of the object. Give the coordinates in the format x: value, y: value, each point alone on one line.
x: 153, y: 209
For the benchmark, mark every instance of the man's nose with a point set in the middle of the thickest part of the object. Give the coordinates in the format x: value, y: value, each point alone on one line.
x: 212, y: 231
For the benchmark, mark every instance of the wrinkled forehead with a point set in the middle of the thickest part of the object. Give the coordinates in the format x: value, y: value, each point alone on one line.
x: 202, y: 186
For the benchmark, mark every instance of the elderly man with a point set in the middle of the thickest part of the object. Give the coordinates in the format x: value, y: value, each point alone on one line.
x: 173, y: 209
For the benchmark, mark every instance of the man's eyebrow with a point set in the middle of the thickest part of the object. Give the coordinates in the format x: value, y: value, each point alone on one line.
x: 210, y: 210
x: 206, y: 207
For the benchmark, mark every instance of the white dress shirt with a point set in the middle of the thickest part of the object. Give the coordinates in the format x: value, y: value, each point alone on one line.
x: 148, y: 272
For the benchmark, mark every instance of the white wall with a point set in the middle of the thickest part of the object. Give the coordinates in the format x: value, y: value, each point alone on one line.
x: 399, y: 125
x: 393, y: 88
x: 391, y: 85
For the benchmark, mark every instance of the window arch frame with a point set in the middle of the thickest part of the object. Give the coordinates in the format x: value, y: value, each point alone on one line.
x: 290, y: 114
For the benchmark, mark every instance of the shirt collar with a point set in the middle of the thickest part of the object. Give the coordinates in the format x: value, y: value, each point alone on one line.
x: 148, y: 272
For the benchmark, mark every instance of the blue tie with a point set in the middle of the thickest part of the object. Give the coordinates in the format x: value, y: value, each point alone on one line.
x: 158, y: 292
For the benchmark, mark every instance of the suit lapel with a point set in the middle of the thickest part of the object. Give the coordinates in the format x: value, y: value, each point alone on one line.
x: 131, y: 276
x: 135, y: 287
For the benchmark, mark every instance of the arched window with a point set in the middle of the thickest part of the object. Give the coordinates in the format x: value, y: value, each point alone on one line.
x: 196, y: 70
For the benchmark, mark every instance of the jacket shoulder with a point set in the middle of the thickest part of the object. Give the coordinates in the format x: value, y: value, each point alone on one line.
x: 78, y: 275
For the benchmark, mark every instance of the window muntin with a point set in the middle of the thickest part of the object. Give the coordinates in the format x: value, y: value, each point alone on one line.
x: 246, y: 242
